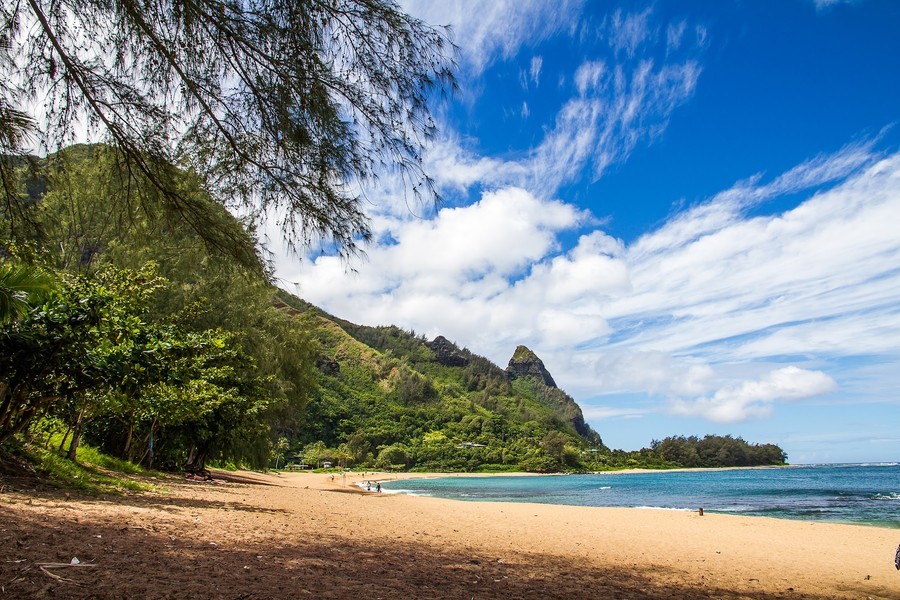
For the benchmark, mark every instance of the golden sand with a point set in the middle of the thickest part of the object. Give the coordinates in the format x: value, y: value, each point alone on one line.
x: 305, y: 535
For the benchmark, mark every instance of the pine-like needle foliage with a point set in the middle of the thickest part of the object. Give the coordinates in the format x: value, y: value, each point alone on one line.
x: 280, y: 106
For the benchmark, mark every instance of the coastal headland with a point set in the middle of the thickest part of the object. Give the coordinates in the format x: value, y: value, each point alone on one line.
x: 294, y: 535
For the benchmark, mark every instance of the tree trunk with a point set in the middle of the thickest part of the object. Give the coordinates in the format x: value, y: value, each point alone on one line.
x: 76, y: 433
x: 126, y: 449
x: 62, y: 443
x: 196, y: 462
x: 148, y: 443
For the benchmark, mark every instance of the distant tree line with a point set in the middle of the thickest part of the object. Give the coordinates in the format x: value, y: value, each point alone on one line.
x: 717, y: 451
x: 130, y: 333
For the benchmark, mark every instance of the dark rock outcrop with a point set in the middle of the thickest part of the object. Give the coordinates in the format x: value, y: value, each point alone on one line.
x: 525, y: 363
x: 328, y: 365
x: 446, y: 352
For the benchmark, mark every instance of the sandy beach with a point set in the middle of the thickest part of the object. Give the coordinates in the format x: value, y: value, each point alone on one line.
x: 293, y: 535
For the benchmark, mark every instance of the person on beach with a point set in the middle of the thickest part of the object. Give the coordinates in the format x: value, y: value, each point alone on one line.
x: 378, y: 487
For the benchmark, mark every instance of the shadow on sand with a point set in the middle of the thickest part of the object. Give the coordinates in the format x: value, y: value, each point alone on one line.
x: 167, y: 559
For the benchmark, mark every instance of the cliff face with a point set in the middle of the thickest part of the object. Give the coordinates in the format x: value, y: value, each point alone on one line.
x: 525, y: 363
x: 446, y: 352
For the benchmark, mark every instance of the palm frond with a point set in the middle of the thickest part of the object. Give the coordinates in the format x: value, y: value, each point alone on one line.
x: 22, y: 287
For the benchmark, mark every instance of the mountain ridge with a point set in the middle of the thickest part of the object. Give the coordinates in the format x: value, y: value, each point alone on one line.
x: 490, y: 405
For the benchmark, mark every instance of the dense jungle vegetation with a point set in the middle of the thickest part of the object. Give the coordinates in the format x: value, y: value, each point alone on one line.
x: 137, y: 313
x: 137, y: 337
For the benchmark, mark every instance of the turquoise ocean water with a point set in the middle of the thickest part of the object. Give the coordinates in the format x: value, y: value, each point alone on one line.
x: 866, y: 494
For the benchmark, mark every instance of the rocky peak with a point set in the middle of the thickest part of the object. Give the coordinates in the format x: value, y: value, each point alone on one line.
x: 446, y: 352
x: 525, y: 363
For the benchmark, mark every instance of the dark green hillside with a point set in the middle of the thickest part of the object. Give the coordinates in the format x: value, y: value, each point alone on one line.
x: 153, y: 344
x: 441, y: 358
x: 387, y: 395
x: 168, y: 349
x: 389, y: 398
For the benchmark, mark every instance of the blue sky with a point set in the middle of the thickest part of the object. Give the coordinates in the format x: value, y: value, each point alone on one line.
x: 688, y: 210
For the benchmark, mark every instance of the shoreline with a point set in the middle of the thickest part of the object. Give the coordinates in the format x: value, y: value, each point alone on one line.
x: 717, y: 544
x: 872, y: 521
x: 632, y: 471
x: 256, y: 535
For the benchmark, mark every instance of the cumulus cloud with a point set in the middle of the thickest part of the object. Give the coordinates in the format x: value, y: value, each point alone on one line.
x: 468, y: 267
x: 748, y: 399
x: 670, y: 315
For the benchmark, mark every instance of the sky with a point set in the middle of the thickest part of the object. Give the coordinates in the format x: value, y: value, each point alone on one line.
x: 690, y: 211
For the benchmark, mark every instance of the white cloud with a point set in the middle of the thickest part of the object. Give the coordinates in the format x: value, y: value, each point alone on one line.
x: 599, y: 413
x: 700, y: 311
x: 490, y: 30
x: 536, y: 63
x: 616, y: 108
x: 702, y: 36
x: 733, y: 285
x: 588, y: 76
x: 822, y: 5
x: 601, y: 126
x: 628, y: 32
x: 748, y: 399
x: 610, y: 372
x: 616, y: 104
x: 675, y: 35
x: 458, y: 169
x: 453, y: 274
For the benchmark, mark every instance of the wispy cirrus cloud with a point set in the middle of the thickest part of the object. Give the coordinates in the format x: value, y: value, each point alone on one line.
x: 823, y: 5
x: 537, y: 63
x: 627, y: 32
x: 726, y: 311
x: 616, y: 107
x: 797, y: 268
x: 620, y: 97
x: 487, y: 31
x: 675, y: 35
x: 722, y: 312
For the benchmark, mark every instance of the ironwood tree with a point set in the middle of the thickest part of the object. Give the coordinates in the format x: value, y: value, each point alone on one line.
x: 280, y: 107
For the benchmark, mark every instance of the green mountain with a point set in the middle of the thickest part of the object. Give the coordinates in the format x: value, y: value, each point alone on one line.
x: 284, y: 380
x: 385, y: 393
x: 388, y: 398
